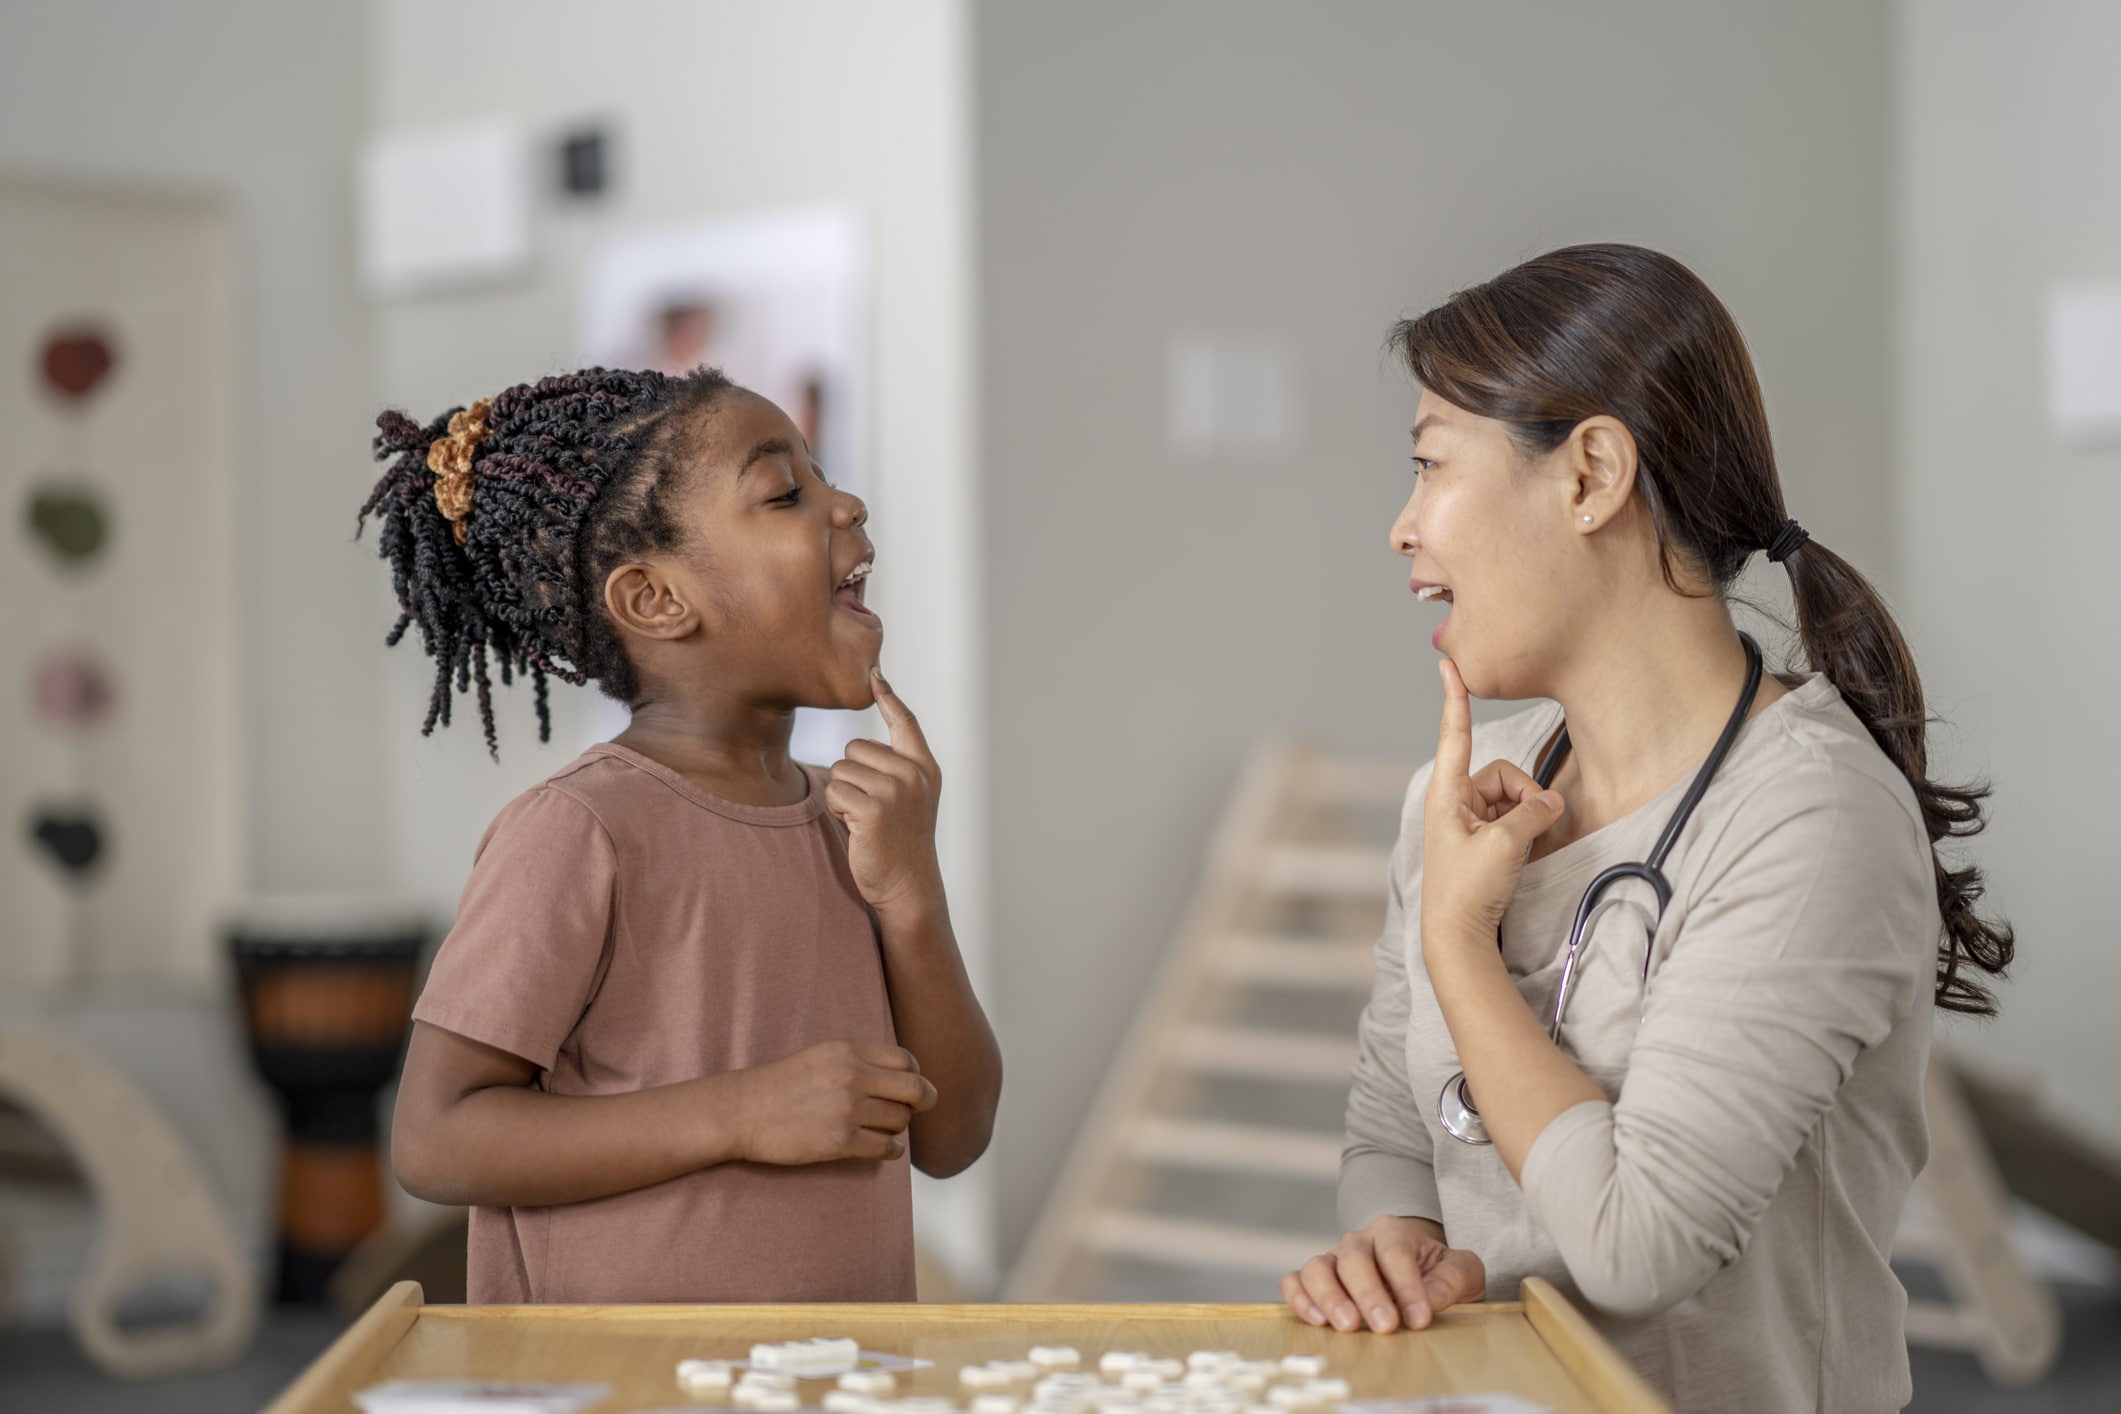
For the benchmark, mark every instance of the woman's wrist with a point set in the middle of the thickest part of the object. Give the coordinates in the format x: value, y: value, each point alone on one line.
x: 1454, y: 948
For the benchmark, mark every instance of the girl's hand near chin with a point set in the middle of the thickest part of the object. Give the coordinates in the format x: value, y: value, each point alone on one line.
x: 886, y: 796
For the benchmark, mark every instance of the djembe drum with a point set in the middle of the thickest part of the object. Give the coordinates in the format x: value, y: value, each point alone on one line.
x: 326, y: 993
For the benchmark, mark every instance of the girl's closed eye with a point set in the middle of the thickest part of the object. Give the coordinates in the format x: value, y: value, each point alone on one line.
x: 787, y: 498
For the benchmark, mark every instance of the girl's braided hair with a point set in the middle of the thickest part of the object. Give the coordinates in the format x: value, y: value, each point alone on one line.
x: 567, y: 478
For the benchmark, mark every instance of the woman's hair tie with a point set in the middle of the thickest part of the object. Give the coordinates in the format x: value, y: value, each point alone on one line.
x: 1784, y: 545
x: 449, y: 458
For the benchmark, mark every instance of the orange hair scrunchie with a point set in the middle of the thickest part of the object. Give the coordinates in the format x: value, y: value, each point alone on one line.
x: 449, y: 458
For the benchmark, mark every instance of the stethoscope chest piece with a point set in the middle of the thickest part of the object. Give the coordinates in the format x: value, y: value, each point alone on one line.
x: 1455, y: 1112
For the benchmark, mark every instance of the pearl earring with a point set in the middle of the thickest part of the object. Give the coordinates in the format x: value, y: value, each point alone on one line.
x: 1586, y: 520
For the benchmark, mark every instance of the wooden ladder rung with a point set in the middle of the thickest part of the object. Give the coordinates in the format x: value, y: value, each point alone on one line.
x: 1277, y: 962
x: 1236, y: 1148
x: 1184, y: 1242
x: 1263, y: 1054
x: 1323, y: 871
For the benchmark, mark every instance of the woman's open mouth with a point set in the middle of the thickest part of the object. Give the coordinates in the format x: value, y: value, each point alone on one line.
x: 1430, y: 594
x: 849, y: 594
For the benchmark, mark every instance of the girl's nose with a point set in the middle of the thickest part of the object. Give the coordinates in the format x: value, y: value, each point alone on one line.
x: 852, y: 510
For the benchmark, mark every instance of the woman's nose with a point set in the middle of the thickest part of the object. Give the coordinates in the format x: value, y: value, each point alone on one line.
x: 1405, y: 541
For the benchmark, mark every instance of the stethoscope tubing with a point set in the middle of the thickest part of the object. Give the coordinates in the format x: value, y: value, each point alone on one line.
x: 1455, y: 1110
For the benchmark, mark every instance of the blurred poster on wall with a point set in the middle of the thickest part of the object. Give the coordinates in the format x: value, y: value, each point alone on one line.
x: 778, y: 300
x: 121, y: 783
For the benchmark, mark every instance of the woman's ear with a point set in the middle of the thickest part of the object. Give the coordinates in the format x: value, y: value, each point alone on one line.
x: 1601, y: 470
x: 642, y: 600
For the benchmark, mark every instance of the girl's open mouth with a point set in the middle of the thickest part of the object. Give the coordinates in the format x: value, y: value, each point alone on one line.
x: 849, y: 594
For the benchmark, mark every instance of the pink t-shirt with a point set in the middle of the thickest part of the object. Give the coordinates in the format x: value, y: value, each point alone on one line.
x: 624, y: 929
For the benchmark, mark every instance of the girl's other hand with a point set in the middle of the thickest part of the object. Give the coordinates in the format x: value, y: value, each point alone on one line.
x: 886, y: 795
x: 1395, y: 1271
x: 1476, y: 830
x: 834, y: 1100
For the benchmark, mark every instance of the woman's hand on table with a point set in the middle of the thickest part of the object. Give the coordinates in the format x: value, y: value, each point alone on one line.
x: 1476, y: 832
x: 1396, y: 1271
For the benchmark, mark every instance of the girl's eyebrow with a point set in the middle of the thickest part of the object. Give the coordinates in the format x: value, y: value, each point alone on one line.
x: 771, y: 447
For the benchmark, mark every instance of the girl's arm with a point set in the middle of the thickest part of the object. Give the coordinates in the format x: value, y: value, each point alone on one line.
x: 470, y: 1129
x: 887, y: 795
x: 939, y: 1019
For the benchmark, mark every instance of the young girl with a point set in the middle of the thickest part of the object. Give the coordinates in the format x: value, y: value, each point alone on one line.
x: 701, y: 1004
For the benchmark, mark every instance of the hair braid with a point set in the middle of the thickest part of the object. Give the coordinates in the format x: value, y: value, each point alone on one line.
x: 568, y: 482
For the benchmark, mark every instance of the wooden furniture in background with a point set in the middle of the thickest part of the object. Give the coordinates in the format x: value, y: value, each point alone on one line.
x: 1999, y: 1308
x: 161, y: 1227
x: 1539, y: 1349
x: 1228, y: 1092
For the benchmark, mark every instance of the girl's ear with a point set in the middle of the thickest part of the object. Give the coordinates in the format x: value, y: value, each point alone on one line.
x: 642, y: 600
x: 1601, y: 470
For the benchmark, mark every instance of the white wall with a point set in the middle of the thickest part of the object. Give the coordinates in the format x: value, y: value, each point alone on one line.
x: 260, y: 103
x: 2008, y: 119
x: 720, y: 107
x: 1307, y: 173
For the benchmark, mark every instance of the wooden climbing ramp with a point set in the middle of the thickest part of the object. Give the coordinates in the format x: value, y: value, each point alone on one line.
x: 1207, y: 1164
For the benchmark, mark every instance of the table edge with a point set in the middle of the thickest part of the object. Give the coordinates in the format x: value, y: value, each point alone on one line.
x: 977, y: 1311
x: 364, y: 1343
x: 1609, y: 1381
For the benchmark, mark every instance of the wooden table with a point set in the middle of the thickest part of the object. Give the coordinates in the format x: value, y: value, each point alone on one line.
x: 1540, y: 1349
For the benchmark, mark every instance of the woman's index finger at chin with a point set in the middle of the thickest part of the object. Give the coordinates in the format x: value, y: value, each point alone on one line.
x: 1454, y: 734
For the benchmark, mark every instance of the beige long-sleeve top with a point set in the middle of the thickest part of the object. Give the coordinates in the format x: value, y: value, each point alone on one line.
x: 1727, y: 1216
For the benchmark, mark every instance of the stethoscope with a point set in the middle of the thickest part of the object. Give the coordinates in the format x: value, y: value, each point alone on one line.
x: 1454, y: 1108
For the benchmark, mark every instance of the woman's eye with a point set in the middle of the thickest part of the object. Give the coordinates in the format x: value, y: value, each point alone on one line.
x: 1421, y: 464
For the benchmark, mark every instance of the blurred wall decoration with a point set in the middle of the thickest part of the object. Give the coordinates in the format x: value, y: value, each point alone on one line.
x: 118, y: 393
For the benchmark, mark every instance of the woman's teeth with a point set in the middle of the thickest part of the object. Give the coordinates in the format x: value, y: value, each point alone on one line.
x: 1430, y: 592
x: 856, y: 575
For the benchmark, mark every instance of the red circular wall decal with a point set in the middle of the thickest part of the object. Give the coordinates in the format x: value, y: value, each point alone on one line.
x: 77, y: 359
x: 73, y: 690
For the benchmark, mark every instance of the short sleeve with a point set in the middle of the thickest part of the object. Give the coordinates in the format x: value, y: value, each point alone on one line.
x: 531, y: 938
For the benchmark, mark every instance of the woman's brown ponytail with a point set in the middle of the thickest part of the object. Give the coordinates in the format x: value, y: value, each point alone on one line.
x: 1633, y: 334
x: 1850, y: 636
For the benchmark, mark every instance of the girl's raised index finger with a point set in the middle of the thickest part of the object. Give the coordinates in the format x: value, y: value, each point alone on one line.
x: 905, y: 728
x: 1454, y: 737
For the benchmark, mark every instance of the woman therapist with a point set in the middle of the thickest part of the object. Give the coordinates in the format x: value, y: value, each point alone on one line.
x: 1712, y: 1147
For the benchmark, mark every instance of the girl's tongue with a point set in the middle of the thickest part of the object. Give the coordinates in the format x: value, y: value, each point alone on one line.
x: 849, y: 597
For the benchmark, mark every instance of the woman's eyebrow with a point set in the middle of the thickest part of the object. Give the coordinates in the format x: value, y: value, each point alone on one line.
x: 1424, y: 422
x: 771, y: 447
